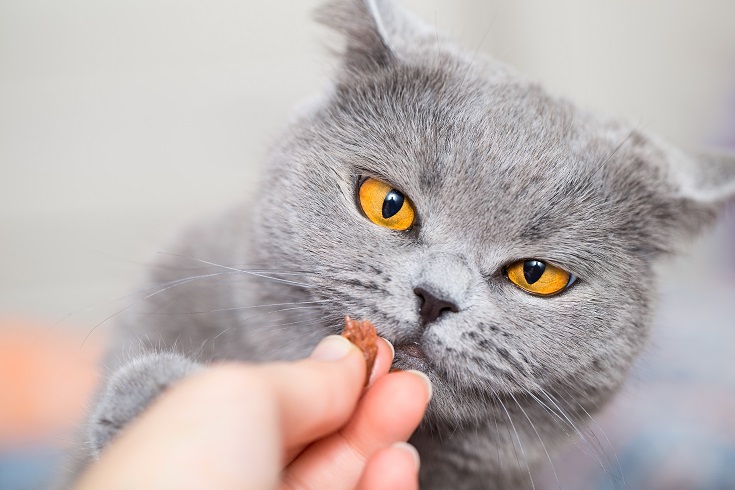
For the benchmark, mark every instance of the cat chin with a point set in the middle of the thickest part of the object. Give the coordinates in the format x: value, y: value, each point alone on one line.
x: 473, y: 408
x: 458, y: 399
x: 404, y: 362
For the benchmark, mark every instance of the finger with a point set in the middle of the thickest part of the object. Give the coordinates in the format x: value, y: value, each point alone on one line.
x: 316, y: 396
x: 393, y: 468
x: 389, y: 412
x: 383, y: 360
x: 382, y: 365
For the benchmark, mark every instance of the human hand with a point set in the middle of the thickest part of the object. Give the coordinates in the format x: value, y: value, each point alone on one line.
x: 301, y: 425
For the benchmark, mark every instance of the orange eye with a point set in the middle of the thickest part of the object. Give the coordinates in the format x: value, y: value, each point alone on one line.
x: 385, y: 206
x: 538, y: 277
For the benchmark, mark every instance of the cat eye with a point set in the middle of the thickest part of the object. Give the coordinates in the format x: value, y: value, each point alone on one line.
x: 538, y: 277
x: 385, y: 205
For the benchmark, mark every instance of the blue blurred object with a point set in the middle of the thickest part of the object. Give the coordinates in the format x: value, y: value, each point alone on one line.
x: 672, y: 458
x: 29, y: 468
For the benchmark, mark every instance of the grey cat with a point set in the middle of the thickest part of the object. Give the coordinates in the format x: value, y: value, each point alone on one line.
x: 501, y: 238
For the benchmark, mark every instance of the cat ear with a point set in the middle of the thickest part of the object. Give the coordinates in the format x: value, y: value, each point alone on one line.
x: 705, y: 184
x: 709, y: 177
x: 376, y: 31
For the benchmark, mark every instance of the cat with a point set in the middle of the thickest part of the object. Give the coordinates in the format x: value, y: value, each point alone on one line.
x: 500, y: 237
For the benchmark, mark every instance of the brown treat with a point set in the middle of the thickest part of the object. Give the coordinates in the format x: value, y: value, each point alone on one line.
x: 363, y: 335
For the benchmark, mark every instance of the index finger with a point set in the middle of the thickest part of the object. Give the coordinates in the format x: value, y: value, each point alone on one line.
x: 382, y: 365
x: 317, y: 396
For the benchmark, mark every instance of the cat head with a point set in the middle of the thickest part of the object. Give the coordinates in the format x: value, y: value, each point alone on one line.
x: 500, y: 237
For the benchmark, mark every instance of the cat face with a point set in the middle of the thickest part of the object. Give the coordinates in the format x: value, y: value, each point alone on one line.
x: 496, y: 172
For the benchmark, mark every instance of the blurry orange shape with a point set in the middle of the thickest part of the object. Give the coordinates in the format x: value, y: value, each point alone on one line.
x: 46, y: 377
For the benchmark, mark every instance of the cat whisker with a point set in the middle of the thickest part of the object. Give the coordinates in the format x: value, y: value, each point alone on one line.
x: 171, y: 285
x: 157, y: 289
x: 567, y: 421
x: 131, y: 295
x: 477, y: 51
x: 553, y: 469
x: 601, y: 166
x: 596, y: 458
x: 329, y: 325
x: 236, y: 308
x: 325, y: 330
x: 599, y: 448
x: 617, y: 460
x: 607, y: 439
x: 260, y: 315
x: 594, y: 453
x: 255, y: 267
x: 281, y: 326
x: 497, y: 446
x: 244, y: 271
x: 520, y: 444
x: 280, y: 272
x: 209, y: 341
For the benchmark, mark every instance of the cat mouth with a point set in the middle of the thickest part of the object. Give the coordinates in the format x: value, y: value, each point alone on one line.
x: 410, y: 356
x: 413, y: 350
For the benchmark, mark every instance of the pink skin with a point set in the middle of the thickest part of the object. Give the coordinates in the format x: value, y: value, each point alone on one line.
x: 301, y: 425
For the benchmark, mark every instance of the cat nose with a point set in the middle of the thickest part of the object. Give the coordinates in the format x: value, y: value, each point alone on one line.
x: 432, y: 307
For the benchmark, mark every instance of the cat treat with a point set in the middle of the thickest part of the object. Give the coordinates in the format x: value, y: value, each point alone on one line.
x: 362, y: 333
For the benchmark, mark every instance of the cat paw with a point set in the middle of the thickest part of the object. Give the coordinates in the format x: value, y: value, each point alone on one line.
x: 129, y: 390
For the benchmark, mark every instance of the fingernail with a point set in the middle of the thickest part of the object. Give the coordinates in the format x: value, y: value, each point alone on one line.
x: 392, y: 349
x: 424, y: 378
x: 404, y: 446
x: 331, y: 348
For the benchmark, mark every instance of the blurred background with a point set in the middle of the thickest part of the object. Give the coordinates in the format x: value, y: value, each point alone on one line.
x: 122, y: 121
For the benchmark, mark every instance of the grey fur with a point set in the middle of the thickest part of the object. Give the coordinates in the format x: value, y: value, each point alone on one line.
x: 499, y: 170
x: 139, y: 381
